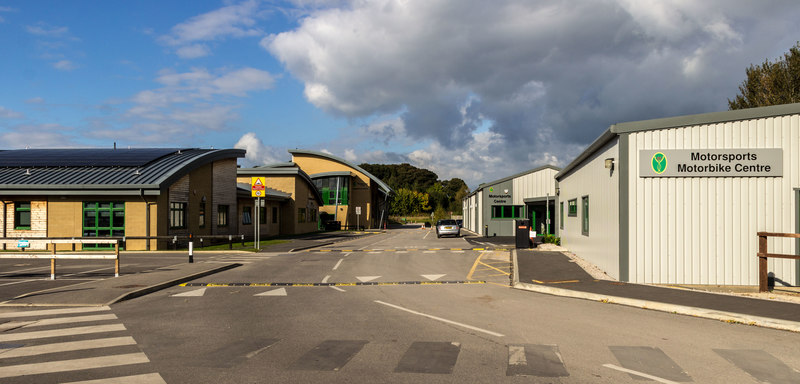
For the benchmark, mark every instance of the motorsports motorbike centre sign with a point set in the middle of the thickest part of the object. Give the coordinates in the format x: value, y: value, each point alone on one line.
x: 756, y: 162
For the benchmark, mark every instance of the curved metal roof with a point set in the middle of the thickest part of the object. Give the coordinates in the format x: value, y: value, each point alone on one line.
x: 281, y: 169
x: 152, y: 175
x: 383, y: 187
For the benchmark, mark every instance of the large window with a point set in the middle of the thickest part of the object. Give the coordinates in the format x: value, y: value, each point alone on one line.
x: 103, y: 219
x: 585, y: 226
x: 328, y: 188
x: 508, y: 212
x: 222, y: 216
x: 177, y: 215
x: 22, y: 215
x: 573, y: 207
x: 247, y: 215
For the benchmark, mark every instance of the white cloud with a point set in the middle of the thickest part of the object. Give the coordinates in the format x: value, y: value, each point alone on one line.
x: 45, y: 30
x: 64, y: 65
x: 545, y: 77
x: 258, y: 153
x: 38, y: 136
x: 6, y: 113
x: 35, y: 100
x: 232, y: 21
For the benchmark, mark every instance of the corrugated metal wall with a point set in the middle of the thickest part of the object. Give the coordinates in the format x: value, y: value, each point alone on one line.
x: 703, y: 230
x: 536, y: 184
x: 601, y: 246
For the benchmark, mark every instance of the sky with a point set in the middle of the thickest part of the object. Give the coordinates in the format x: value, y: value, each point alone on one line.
x: 473, y: 89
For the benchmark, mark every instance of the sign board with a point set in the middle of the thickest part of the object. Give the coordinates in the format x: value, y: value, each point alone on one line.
x: 358, y: 210
x: 751, y: 162
x: 23, y: 244
x: 257, y: 186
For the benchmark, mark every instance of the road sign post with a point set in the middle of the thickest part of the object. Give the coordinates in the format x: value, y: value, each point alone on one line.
x: 257, y: 190
x: 358, y: 218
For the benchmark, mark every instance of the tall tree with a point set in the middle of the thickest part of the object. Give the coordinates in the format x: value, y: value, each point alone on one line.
x: 770, y: 83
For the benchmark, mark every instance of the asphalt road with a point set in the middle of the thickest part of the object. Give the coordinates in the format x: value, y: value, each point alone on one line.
x: 233, y: 328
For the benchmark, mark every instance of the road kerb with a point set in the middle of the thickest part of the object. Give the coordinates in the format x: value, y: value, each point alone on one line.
x: 728, y: 317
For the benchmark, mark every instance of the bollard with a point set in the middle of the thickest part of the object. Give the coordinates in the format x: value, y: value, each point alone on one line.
x: 191, y: 253
x: 242, y: 240
x: 230, y: 241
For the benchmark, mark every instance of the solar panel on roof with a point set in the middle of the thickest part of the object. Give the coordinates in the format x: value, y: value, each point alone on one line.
x: 82, y: 157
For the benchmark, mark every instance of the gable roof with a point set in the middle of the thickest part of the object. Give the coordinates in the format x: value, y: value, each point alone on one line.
x: 89, y: 171
x: 498, y: 181
x: 381, y: 185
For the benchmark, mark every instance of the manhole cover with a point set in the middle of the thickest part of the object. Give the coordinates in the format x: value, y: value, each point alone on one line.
x: 131, y: 286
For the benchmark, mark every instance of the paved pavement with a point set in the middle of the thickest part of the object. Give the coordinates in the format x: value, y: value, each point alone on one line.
x: 555, y: 273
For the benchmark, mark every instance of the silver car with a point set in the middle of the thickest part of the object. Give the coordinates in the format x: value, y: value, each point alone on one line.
x: 447, y: 227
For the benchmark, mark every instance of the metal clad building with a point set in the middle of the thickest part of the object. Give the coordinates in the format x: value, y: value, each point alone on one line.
x: 492, y: 208
x: 686, y: 196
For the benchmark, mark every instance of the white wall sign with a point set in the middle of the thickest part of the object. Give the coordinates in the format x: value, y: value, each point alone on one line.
x: 752, y: 162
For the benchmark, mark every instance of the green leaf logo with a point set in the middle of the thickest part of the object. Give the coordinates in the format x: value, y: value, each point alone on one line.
x: 659, y: 163
x: 491, y: 189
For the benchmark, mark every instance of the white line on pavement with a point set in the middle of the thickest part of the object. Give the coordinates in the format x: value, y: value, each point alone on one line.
x: 73, y: 365
x: 338, y: 264
x: 325, y: 280
x: 62, y: 332
x: 640, y: 374
x: 149, y: 378
x: 17, y: 282
x: 67, y: 347
x: 84, y: 272
x: 441, y: 319
x: 337, y: 288
x: 69, y: 320
x: 48, y: 312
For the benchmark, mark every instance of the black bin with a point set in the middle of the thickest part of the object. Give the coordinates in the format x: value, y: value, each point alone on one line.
x: 522, y: 229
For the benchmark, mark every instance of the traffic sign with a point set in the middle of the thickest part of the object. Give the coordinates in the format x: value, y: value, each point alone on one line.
x: 257, y: 186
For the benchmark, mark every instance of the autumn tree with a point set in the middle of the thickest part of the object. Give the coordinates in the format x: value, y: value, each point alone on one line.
x: 770, y: 83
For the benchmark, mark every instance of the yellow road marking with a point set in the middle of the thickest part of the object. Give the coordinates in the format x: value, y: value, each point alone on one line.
x: 496, y: 269
x: 475, y: 265
x: 556, y: 282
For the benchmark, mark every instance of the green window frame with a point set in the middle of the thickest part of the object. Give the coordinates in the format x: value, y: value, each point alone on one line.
x: 103, y: 219
x: 585, y: 215
x: 508, y: 212
x: 222, y: 215
x: 572, y: 207
x: 561, y: 215
x: 177, y: 215
x: 327, y: 188
x: 22, y: 215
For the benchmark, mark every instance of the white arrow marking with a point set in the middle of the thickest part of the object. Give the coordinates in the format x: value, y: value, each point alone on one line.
x: 196, y: 292
x: 274, y: 292
x: 365, y: 279
x: 432, y: 277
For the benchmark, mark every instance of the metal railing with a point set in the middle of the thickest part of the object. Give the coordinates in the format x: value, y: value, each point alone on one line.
x: 54, y: 255
x: 763, y: 254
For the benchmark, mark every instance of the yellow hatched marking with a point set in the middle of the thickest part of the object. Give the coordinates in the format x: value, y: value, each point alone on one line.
x: 496, y: 269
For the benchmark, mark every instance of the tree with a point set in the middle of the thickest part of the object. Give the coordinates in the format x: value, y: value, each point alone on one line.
x: 770, y: 83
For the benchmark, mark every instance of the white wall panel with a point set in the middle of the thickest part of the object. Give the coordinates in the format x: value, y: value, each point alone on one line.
x: 601, y: 246
x: 703, y: 230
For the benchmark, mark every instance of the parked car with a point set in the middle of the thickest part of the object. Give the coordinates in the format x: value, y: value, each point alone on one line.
x: 460, y: 223
x: 447, y: 227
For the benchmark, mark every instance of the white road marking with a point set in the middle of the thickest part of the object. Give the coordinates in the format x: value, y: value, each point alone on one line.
x: 516, y: 355
x: 432, y: 277
x: 48, y: 312
x: 62, y: 332
x: 73, y: 365
x: 67, y: 347
x: 640, y: 374
x: 149, y: 378
x: 69, y: 320
x: 192, y: 293
x: 274, y: 292
x: 426, y: 235
x: 16, y: 282
x: 325, y: 280
x: 335, y: 267
x: 337, y: 288
x: 428, y: 251
x: 84, y: 272
x: 441, y: 319
x: 365, y: 279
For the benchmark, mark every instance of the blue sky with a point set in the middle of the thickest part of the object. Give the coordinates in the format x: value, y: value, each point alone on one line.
x: 471, y: 89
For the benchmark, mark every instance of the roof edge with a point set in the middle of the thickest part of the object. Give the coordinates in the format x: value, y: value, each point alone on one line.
x: 514, y: 176
x: 386, y: 189
x: 601, y: 141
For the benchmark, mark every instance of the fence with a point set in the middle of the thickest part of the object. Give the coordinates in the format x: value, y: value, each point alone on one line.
x: 54, y: 255
x: 763, y: 254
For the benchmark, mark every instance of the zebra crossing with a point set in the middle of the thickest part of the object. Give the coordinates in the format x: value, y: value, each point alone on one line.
x: 90, y: 341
